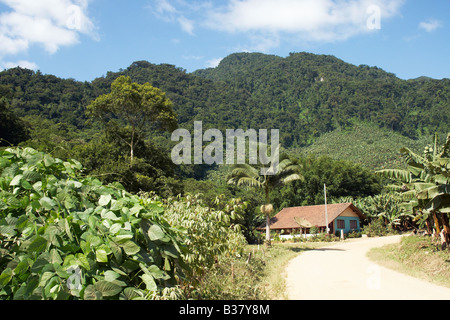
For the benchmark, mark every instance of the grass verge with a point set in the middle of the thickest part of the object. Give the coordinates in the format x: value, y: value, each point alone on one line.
x: 255, y: 275
x: 416, y: 256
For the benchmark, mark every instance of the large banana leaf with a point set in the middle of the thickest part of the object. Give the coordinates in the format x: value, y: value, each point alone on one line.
x: 439, y: 203
x: 397, y: 174
x: 432, y: 192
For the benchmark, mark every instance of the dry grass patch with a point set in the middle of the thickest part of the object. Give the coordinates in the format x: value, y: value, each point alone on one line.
x: 417, y: 256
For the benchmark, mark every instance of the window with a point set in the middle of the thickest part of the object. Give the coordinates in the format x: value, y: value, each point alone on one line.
x: 353, y: 224
x: 340, y: 224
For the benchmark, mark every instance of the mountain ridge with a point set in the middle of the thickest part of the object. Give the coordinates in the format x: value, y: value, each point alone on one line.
x: 304, y: 95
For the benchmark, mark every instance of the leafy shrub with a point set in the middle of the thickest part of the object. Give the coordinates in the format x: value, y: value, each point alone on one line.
x: 376, y: 228
x: 63, y: 236
x: 210, y: 234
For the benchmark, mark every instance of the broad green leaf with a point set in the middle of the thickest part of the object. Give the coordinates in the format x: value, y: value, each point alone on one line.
x: 109, y: 215
x: 130, y: 294
x: 155, y: 233
x: 104, y: 200
x: 111, y: 275
x: 83, y: 261
x: 45, y: 277
x: 115, y: 228
x: 38, y: 245
x: 157, y: 273
x: 7, y: 230
x: 149, y: 282
x: 90, y: 293
x: 101, y: 254
x: 39, y: 264
x: 155, y: 207
x: 47, y: 203
x: 67, y: 229
x: 107, y: 289
x: 48, y: 160
x: 26, y: 185
x: 130, y: 247
x: 16, y: 181
x: 55, y: 257
x: 21, y: 268
x: 5, y: 277
x: 123, y: 237
x: 136, y: 209
x: 117, y: 251
x: 31, y: 176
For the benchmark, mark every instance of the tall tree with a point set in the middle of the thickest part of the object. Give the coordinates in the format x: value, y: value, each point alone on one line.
x: 12, y: 129
x: 247, y: 175
x: 135, y: 106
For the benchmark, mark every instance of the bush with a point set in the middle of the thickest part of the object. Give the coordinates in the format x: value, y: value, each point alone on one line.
x: 208, y: 233
x: 376, y: 228
x: 63, y: 236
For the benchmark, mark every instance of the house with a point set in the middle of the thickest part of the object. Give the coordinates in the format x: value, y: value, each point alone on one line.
x: 341, y: 216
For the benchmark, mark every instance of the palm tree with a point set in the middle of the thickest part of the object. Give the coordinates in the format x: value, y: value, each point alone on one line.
x: 247, y: 175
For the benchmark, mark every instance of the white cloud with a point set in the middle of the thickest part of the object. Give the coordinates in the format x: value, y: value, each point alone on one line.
x: 430, y: 25
x: 49, y: 23
x: 186, y: 25
x: 212, y: 63
x: 164, y: 10
x: 22, y: 63
x: 310, y: 20
x: 163, y: 7
x: 268, y: 23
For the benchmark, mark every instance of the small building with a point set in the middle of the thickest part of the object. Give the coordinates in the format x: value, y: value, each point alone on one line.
x: 341, y: 216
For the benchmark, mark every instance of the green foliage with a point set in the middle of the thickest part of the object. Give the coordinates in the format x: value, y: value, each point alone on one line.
x: 307, y: 95
x: 107, y: 158
x: 365, y: 144
x: 137, y: 106
x: 246, y: 175
x: 304, y: 95
x: 13, y: 130
x: 425, y: 187
x: 235, y: 278
x: 67, y: 237
x: 210, y: 233
x: 376, y: 228
x: 342, y: 178
x: 386, y: 206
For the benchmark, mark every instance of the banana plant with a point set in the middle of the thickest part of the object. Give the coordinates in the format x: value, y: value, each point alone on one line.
x: 425, y: 185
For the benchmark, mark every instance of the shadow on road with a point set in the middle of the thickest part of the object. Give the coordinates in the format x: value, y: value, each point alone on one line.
x: 329, y: 249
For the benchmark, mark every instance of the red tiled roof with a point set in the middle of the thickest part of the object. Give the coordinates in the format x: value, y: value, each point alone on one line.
x: 315, y: 215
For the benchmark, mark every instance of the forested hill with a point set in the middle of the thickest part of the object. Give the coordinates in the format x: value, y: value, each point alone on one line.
x: 304, y: 95
x: 312, y: 94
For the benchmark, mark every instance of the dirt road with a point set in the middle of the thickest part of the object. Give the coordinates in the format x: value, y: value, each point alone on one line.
x: 343, y: 272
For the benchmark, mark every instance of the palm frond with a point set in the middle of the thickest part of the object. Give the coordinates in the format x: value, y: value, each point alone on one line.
x: 246, y: 181
x: 292, y: 177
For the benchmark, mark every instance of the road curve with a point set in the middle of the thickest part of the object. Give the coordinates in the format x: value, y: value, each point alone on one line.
x: 342, y: 271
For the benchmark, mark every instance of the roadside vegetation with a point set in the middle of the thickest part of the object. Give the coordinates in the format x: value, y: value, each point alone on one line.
x: 417, y: 256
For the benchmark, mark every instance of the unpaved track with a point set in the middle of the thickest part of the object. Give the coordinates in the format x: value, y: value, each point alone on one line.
x: 343, y: 272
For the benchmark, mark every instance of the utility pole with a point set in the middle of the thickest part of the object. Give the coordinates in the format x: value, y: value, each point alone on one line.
x: 326, y: 212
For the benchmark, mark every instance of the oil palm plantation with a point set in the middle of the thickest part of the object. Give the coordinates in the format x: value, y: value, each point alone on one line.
x: 250, y: 176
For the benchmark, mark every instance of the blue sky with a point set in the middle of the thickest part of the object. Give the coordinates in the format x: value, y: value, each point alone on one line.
x: 83, y: 39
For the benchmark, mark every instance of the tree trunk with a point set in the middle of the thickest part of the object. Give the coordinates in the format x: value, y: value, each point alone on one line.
x: 436, y: 222
x: 267, y: 230
x: 445, y: 227
x: 429, y: 228
x: 132, y: 149
x: 268, y: 243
